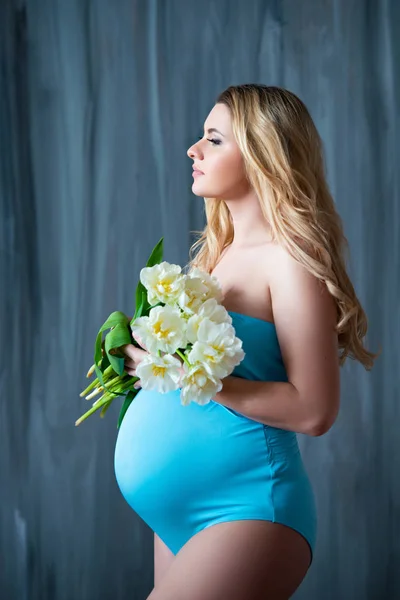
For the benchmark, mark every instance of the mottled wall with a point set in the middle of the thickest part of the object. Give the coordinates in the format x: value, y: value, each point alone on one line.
x: 99, y: 102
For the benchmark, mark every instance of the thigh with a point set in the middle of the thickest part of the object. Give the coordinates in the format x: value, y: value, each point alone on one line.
x: 239, y: 560
x: 163, y: 559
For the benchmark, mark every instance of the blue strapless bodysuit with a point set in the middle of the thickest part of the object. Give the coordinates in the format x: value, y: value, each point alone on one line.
x: 185, y: 468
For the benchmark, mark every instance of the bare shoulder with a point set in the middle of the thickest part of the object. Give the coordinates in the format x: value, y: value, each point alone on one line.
x: 305, y: 318
x: 309, y: 294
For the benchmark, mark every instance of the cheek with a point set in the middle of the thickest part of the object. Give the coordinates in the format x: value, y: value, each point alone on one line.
x: 227, y: 169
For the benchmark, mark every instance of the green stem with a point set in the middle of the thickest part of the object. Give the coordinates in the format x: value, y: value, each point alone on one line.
x: 109, y: 373
x: 90, y: 387
x: 95, y: 382
x: 105, y: 399
x: 183, y: 357
x: 91, y: 411
x: 105, y: 408
x: 120, y: 386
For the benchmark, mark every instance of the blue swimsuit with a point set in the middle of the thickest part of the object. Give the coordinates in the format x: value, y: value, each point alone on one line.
x: 185, y: 468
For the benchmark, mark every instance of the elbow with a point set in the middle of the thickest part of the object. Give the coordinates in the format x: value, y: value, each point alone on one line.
x: 318, y: 430
x: 322, y: 420
x: 321, y: 426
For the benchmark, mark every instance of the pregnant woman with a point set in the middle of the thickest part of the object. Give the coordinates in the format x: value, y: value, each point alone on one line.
x: 223, y: 485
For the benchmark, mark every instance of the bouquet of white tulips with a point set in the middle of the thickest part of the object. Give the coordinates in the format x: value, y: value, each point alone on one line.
x: 177, y: 317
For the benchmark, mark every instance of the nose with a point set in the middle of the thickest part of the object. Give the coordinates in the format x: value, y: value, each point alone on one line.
x: 193, y: 151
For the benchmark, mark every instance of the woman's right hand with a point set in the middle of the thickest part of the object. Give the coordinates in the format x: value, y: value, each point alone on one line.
x: 134, y: 355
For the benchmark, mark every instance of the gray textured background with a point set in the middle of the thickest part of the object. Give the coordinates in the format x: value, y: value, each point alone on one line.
x: 99, y: 103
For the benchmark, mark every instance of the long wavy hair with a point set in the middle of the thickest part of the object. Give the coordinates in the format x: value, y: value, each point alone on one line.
x: 284, y: 164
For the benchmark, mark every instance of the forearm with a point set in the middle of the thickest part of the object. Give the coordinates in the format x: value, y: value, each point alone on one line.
x: 273, y: 403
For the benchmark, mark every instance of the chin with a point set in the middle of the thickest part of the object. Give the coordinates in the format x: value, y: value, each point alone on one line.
x: 202, y: 190
x: 198, y: 190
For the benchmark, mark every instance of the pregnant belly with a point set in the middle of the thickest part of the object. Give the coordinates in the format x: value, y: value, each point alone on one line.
x: 173, y: 455
x: 182, y: 467
x: 176, y: 463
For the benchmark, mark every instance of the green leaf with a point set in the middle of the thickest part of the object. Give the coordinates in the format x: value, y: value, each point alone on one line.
x: 142, y: 306
x: 105, y: 360
x: 156, y: 255
x: 118, y: 336
x: 141, y: 300
x: 107, y: 352
x: 128, y: 399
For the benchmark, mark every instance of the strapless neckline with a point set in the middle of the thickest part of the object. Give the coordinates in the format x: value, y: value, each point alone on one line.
x: 232, y: 312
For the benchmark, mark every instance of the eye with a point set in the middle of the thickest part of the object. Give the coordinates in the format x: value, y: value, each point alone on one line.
x: 212, y: 140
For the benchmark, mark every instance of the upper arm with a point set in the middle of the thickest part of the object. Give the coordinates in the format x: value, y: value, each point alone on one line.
x: 305, y: 319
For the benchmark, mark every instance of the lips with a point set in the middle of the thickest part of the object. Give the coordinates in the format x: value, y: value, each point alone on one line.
x: 195, y: 170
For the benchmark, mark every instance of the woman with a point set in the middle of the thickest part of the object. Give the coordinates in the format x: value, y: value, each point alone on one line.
x: 223, y: 485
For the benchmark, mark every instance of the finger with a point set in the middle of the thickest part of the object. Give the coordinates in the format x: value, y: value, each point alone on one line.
x: 137, y: 385
x: 131, y: 364
x: 125, y: 350
x: 130, y: 351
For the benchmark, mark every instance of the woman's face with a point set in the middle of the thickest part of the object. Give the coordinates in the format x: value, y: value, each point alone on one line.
x: 218, y: 156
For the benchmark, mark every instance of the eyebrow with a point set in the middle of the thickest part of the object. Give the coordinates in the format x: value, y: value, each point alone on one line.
x: 216, y: 131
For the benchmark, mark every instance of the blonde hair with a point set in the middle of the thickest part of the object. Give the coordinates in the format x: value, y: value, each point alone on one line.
x: 283, y: 158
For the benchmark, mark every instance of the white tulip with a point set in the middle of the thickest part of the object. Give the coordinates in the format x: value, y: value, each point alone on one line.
x: 211, y: 310
x: 192, y: 295
x: 164, y: 329
x: 164, y: 282
x: 192, y: 315
x: 214, y: 289
x: 198, y: 385
x: 217, y: 348
x: 161, y: 373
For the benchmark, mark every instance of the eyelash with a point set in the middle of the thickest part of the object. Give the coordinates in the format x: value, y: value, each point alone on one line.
x: 213, y: 140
